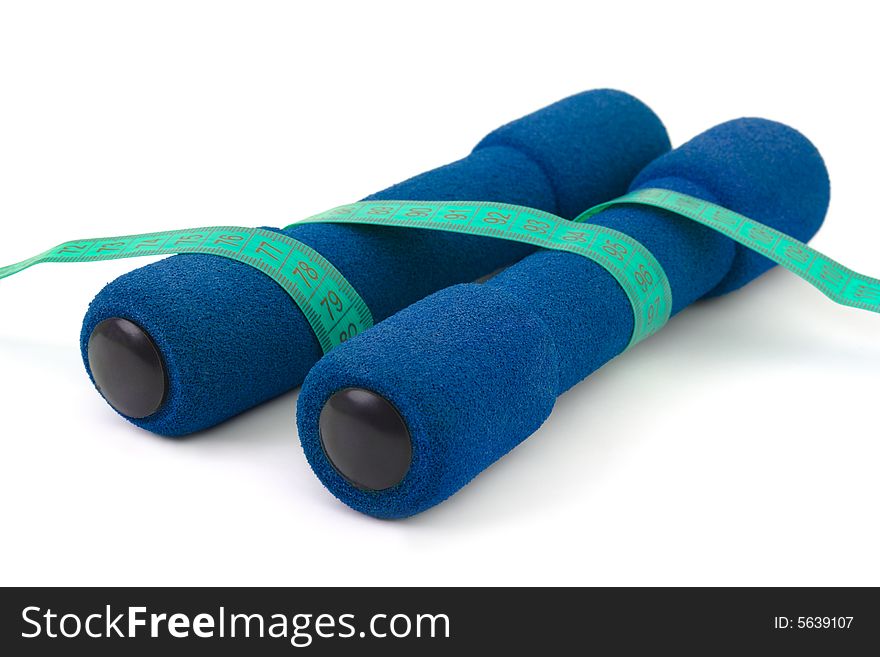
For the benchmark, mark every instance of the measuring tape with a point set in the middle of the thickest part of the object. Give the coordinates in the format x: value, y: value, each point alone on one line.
x: 336, y: 312
x: 331, y: 305
x: 840, y: 284
x: 632, y: 265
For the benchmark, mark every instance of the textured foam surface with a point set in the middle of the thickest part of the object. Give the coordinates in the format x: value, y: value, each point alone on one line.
x: 476, y: 369
x: 231, y: 338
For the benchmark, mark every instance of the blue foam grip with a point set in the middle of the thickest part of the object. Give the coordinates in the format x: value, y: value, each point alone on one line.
x: 231, y: 338
x: 475, y: 369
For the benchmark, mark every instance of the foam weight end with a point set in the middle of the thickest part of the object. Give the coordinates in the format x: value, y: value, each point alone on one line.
x: 231, y: 338
x: 365, y: 439
x: 475, y: 369
x: 443, y: 407
x: 120, y: 348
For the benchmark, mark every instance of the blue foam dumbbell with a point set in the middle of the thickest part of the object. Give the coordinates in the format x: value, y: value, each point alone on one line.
x: 400, y: 418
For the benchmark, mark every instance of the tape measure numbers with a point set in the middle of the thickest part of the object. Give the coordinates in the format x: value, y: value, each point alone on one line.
x: 336, y: 312
x: 838, y: 283
x: 331, y: 305
x: 632, y: 265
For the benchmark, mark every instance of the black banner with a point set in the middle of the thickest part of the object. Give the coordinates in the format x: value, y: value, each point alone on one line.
x: 339, y: 621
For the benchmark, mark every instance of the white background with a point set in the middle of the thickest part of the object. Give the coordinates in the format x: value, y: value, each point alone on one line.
x: 739, y: 446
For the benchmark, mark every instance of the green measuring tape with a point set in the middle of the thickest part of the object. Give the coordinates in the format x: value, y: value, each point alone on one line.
x: 332, y: 307
x: 336, y: 312
x: 631, y: 264
x: 840, y: 284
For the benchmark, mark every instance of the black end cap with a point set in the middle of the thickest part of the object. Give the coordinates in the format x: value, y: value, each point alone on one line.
x: 365, y: 438
x: 127, y: 367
